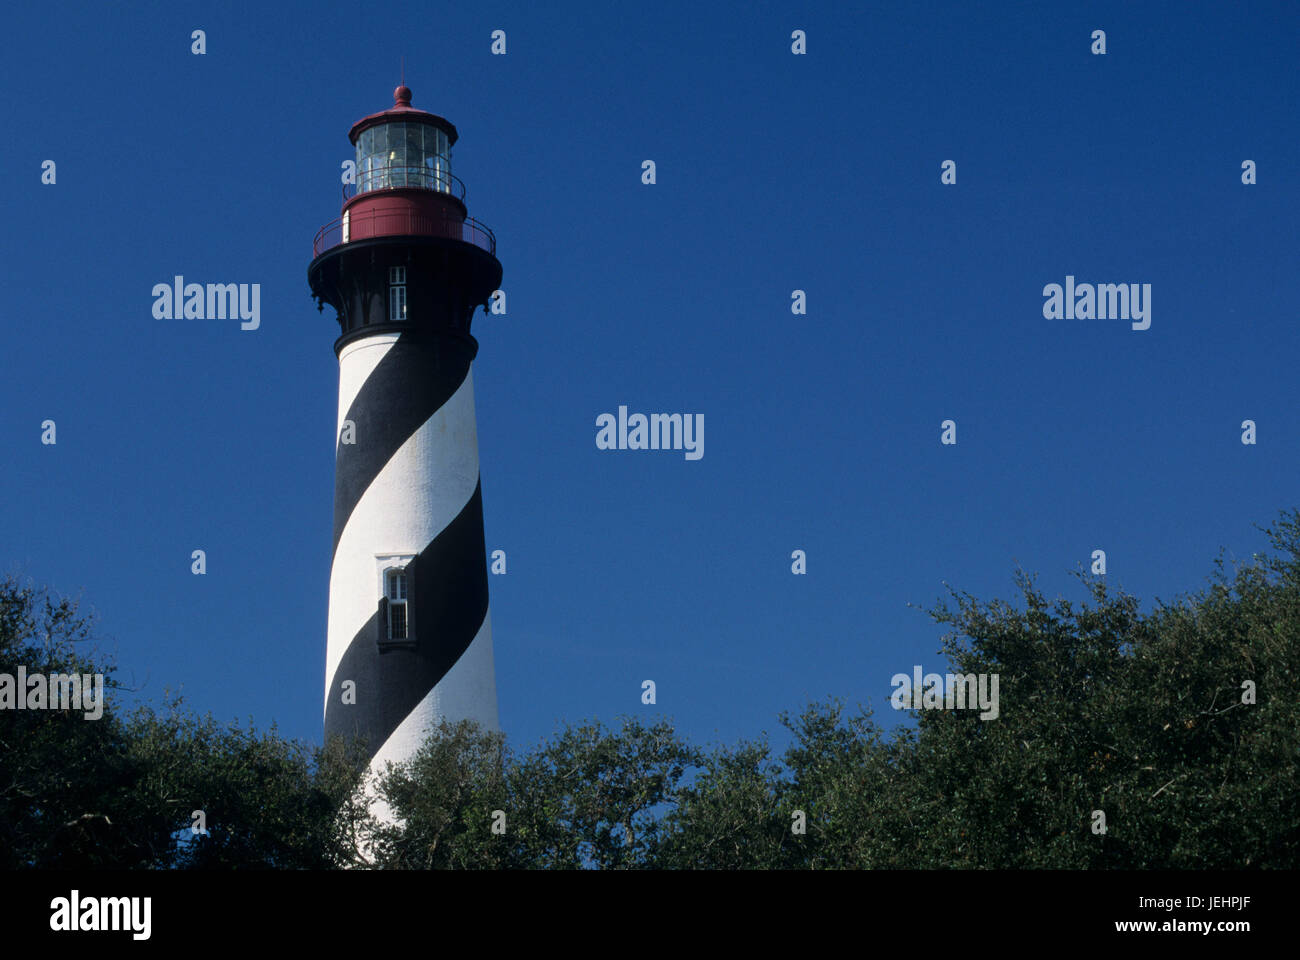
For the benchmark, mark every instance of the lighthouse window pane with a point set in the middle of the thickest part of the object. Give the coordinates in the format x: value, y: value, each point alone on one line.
x: 375, y: 142
x: 397, y: 620
x: 429, y: 159
x: 414, y: 154
x: 396, y: 155
x: 441, y: 161
x: 396, y: 303
x: 396, y: 294
x: 397, y: 143
x: 379, y: 159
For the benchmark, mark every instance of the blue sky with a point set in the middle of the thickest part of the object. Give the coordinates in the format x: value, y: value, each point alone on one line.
x: 775, y: 172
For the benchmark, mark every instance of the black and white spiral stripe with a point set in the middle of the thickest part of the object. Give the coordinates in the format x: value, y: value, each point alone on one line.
x: 409, y: 485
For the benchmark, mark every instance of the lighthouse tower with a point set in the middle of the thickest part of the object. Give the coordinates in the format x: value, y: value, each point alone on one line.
x: 405, y: 267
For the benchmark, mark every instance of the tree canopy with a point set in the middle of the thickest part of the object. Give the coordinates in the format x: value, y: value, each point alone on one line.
x: 1124, y: 739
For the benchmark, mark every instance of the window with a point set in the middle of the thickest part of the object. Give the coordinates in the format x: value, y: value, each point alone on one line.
x: 437, y: 159
x: 396, y: 294
x: 397, y: 154
x: 366, y: 159
x: 413, y: 162
x: 377, y: 160
x: 397, y: 620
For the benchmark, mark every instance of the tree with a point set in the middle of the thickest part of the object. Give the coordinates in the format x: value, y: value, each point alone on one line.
x: 120, y: 792
x: 1177, y: 728
x: 67, y: 796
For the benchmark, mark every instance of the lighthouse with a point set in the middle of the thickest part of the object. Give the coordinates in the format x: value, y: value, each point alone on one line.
x: 405, y: 267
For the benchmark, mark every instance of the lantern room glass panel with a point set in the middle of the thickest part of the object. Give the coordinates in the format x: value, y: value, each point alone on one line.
x: 413, y: 166
x: 403, y: 155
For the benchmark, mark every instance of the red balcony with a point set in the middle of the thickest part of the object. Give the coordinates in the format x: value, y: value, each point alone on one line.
x: 368, y: 223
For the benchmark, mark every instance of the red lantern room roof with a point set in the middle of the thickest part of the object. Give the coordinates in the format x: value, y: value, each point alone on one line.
x: 402, y: 110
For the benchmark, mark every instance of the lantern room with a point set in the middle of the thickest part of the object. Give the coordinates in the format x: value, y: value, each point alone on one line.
x: 404, y: 184
x: 403, y: 147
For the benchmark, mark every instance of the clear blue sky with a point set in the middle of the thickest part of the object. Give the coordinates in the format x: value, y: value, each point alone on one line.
x: 775, y: 172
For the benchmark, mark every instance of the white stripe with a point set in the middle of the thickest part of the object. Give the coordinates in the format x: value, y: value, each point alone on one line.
x: 422, y: 489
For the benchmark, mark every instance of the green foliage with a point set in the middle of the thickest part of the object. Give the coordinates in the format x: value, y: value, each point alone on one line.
x: 67, y: 784
x: 119, y: 792
x: 267, y: 802
x: 732, y: 817
x: 443, y: 798
x: 586, y: 799
x: 593, y: 797
x: 1140, y: 716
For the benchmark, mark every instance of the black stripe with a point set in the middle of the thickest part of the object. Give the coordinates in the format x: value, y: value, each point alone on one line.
x: 420, y: 373
x: 449, y: 591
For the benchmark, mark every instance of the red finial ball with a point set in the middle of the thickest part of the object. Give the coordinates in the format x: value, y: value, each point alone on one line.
x: 402, y: 96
